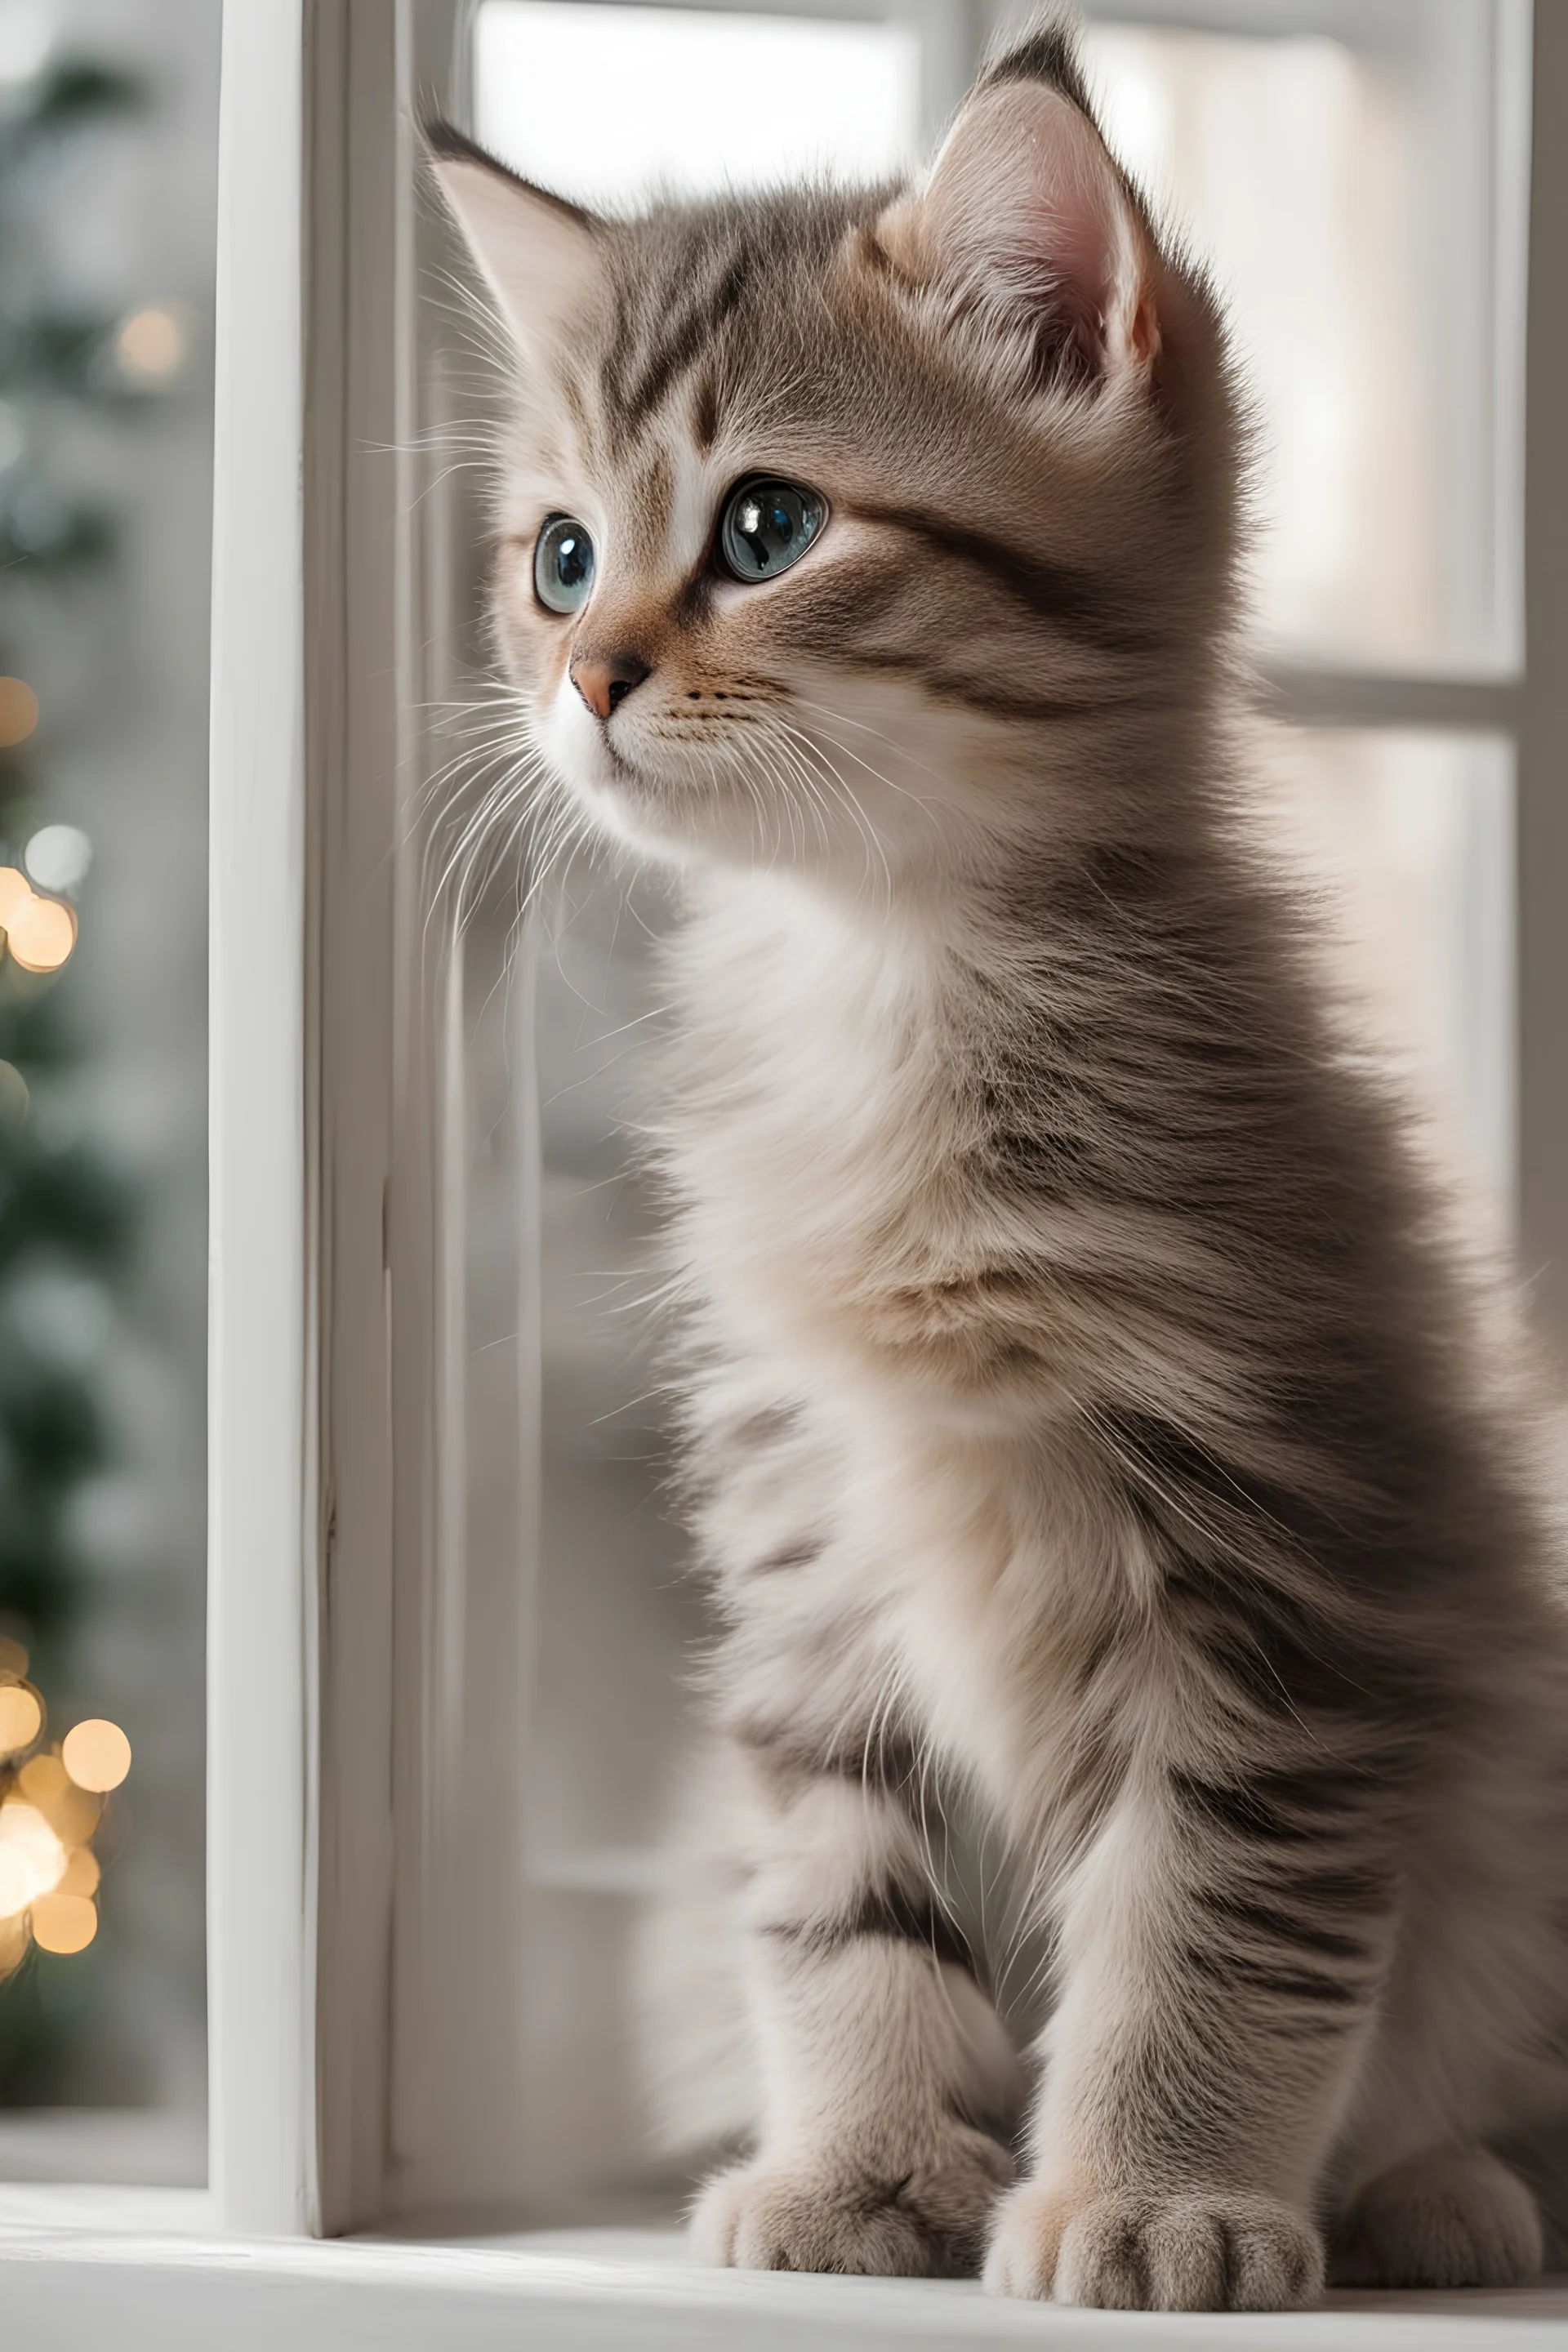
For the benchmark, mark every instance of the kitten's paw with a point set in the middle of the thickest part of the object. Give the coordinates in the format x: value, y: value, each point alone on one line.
x: 1453, y: 2216
x: 1196, y: 2249
x: 927, y: 2223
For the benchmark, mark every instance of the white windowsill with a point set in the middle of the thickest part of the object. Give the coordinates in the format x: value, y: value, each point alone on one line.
x: 140, y: 2267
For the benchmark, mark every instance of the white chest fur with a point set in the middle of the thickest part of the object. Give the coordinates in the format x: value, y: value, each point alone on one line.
x: 817, y: 1120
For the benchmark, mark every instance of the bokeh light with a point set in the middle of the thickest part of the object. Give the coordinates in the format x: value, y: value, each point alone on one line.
x: 97, y: 1755
x: 58, y: 856
x: 21, y: 1718
x: 42, y: 1779
x: 18, y: 711
x: 152, y: 344
x: 12, y: 1653
x: 49, y: 1873
x: 40, y: 933
x: 64, y: 1923
x: 32, y: 1856
x: 82, y: 1873
x: 71, y: 1809
x: 14, y: 1101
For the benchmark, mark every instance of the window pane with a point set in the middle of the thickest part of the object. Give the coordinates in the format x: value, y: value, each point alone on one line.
x: 107, y: 204
x: 606, y: 103
x: 1410, y: 838
x: 616, y: 1619
x: 1355, y: 176
x: 1412, y: 835
x: 695, y: 99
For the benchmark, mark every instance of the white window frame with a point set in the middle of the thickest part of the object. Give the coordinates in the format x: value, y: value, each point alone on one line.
x: 331, y: 1143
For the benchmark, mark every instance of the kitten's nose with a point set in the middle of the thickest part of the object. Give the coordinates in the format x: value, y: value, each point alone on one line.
x: 604, y: 680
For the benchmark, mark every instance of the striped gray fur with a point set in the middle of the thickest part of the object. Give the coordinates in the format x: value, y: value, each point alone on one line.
x: 1090, y: 1411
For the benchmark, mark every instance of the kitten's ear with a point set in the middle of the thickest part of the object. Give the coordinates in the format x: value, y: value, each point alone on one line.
x: 538, y: 255
x: 1026, y: 215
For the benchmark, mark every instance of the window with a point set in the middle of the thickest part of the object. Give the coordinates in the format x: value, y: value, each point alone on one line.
x: 107, y: 156
x: 697, y: 99
x: 613, y: 1623
x: 436, y: 1784
x: 1358, y: 179
x: 1313, y: 165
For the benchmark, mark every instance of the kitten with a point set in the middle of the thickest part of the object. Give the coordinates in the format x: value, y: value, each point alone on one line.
x: 1083, y: 1406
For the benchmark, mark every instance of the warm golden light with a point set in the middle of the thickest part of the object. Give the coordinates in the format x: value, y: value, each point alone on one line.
x: 64, y: 1923
x: 13, y: 1943
x: 152, y: 344
x: 97, y: 1755
x: 50, y: 1808
x: 18, y: 711
x: 14, y: 891
x: 43, y: 1779
x: 21, y: 1718
x: 40, y: 933
x: 32, y: 1859
x: 82, y: 1873
x: 71, y: 1813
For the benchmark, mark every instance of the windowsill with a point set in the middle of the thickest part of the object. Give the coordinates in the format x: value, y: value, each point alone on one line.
x: 139, y: 2267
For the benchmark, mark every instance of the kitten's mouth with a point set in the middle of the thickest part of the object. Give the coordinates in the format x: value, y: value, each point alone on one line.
x: 622, y: 769
x: 604, y: 766
x: 657, y: 776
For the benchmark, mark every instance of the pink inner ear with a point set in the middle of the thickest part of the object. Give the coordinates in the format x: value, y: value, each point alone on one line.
x: 1025, y: 199
x: 537, y: 255
x: 1144, y: 337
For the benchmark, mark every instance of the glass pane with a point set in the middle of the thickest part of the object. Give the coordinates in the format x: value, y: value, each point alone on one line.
x: 691, y: 100
x: 617, y: 1620
x: 1355, y: 177
x: 1408, y: 841
x: 1410, y: 837
x: 106, y: 252
x: 613, y: 1619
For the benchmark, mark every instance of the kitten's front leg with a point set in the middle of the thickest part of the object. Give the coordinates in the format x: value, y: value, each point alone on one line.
x: 1221, y: 1946
x: 881, y: 2061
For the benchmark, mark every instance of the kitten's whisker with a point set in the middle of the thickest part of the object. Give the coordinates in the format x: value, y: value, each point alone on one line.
x: 830, y: 775
x: 782, y: 750
x: 842, y: 719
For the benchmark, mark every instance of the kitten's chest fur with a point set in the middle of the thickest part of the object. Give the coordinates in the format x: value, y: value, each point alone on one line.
x: 841, y: 1243
x: 824, y: 1136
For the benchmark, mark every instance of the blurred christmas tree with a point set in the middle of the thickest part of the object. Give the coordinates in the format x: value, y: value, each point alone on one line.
x: 64, y: 1215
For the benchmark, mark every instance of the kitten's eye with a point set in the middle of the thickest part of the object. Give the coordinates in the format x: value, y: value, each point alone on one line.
x: 563, y: 565
x: 768, y: 526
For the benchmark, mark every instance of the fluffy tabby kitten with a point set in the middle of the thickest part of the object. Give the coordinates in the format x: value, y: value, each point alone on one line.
x: 1082, y: 1405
